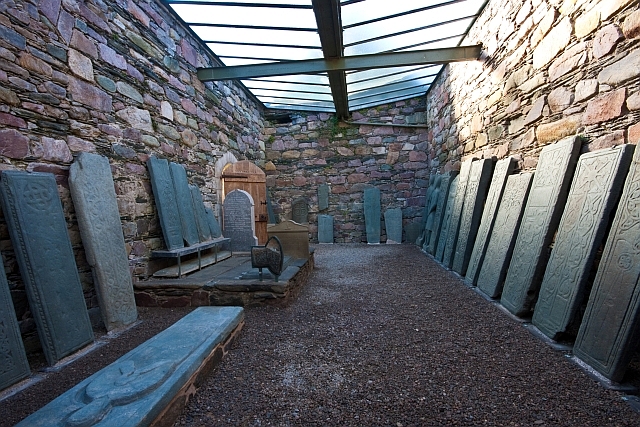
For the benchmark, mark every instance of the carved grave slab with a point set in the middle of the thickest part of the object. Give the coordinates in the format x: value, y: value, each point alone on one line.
x: 165, y: 198
x: 94, y: 199
x: 372, y: 215
x: 412, y: 232
x: 271, y: 215
x: 185, y: 204
x: 456, y: 214
x: 445, y: 183
x: 214, y: 226
x: 238, y: 221
x: 323, y: 197
x: 540, y: 220
x: 38, y: 230
x: 325, y: 228
x: 300, y: 211
x: 293, y: 237
x: 204, y: 232
x: 446, y: 218
x: 425, y: 211
x: 393, y: 225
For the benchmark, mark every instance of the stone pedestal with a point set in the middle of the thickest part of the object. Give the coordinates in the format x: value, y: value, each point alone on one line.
x: 372, y: 215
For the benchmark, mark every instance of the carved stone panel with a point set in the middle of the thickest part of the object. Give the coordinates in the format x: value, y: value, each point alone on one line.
x: 323, y: 197
x: 185, y: 204
x: 204, y: 232
x: 445, y: 183
x: 540, y: 220
x: 456, y: 214
x: 372, y: 215
x: 165, y: 199
x: 446, y: 218
x: 38, y: 230
x: 393, y: 225
x: 325, y: 228
x: 94, y: 199
x: 300, y: 211
x: 477, y: 186
x: 501, y: 172
x: 238, y: 221
x: 596, y: 186
x: 503, y: 237
x: 608, y: 334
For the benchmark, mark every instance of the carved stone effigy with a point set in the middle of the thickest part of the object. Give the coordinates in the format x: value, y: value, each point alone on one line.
x: 204, y: 232
x: 596, y: 186
x: 446, y: 218
x: 477, y: 185
x: 608, y: 335
x: 38, y: 230
x: 96, y: 206
x: 501, y: 172
x: 539, y: 222
x: 300, y: 211
x: 372, y: 215
x: 393, y: 225
x: 165, y: 201
x: 238, y: 213
x: 445, y: 183
x: 503, y: 237
x: 456, y: 214
x: 185, y: 204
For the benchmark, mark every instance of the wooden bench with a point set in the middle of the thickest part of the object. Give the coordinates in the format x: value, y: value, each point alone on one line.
x: 199, y: 247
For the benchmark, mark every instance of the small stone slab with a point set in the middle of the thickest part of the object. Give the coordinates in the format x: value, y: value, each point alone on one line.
x: 372, y: 215
x: 412, y: 231
x: 214, y: 226
x: 293, y: 237
x: 136, y: 389
x: 456, y: 214
x: 38, y: 230
x: 608, y: 334
x: 96, y: 206
x: 596, y: 187
x: 271, y: 215
x: 445, y: 184
x: 300, y: 211
x: 323, y: 197
x: 238, y: 221
x: 503, y: 237
x: 501, y: 172
x: 325, y: 228
x: 425, y: 211
x: 185, y: 204
x: 166, y: 204
x: 540, y: 220
x: 393, y: 225
x: 204, y: 232
x: 446, y: 218
x: 474, y: 201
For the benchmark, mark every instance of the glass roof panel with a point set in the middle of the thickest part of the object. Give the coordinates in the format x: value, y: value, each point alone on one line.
x: 246, y: 15
x: 294, y: 95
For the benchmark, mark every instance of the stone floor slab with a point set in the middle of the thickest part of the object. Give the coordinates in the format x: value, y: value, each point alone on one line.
x: 456, y: 214
x: 165, y: 201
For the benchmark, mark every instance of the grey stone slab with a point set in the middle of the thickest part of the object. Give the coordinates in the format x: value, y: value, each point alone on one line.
x: 473, y: 207
x: 540, y: 220
x: 135, y: 389
x: 300, y: 211
x: 429, y: 213
x: 608, y: 334
x: 323, y: 197
x: 596, y: 188
x: 165, y: 198
x: 325, y: 228
x: 238, y: 222
x: 446, y: 218
x: 443, y: 193
x: 412, y: 231
x: 372, y: 215
x: 38, y: 230
x: 271, y: 215
x: 503, y: 237
x: 456, y: 214
x: 96, y: 206
x: 185, y: 204
x: 204, y: 232
x: 425, y: 211
x: 214, y: 226
x: 501, y: 172
x: 393, y: 225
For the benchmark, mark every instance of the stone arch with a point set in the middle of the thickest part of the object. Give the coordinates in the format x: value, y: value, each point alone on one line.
x: 226, y: 159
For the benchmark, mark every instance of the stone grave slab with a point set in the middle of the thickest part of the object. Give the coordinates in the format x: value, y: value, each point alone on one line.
x: 294, y: 238
x: 214, y: 226
x: 271, y: 215
x: 94, y: 199
x: 540, y: 220
x: 372, y: 215
x: 446, y: 218
x: 596, y: 188
x: 445, y: 183
x: 393, y: 225
x: 185, y: 204
x: 503, y: 237
x: 300, y: 211
x: 456, y: 214
x: 608, y: 333
x: 323, y: 197
x: 425, y: 211
x: 238, y: 221
x: 325, y: 228
x: 412, y: 232
x: 474, y: 201
x: 166, y: 204
x: 501, y: 172
x: 204, y: 232
x: 38, y: 231
x: 431, y: 205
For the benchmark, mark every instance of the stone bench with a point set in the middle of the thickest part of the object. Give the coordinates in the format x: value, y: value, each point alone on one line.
x: 187, y: 250
x: 150, y: 385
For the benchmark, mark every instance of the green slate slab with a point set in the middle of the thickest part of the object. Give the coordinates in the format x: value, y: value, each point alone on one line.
x: 185, y: 204
x: 443, y: 193
x: 456, y: 214
x: 165, y: 201
x: 372, y: 215
x: 393, y: 225
x: 202, y: 223
x: 323, y: 197
x: 446, y: 218
x: 325, y: 228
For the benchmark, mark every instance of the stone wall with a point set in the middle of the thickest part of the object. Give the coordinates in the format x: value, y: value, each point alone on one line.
x: 550, y: 68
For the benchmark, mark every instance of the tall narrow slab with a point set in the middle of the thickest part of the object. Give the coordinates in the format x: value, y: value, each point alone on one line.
x: 456, y: 214
x: 445, y: 183
x: 608, y: 334
x: 323, y: 197
x: 540, y: 220
x: 503, y: 237
x: 271, y: 215
x: 474, y: 200
x: 185, y: 204
x: 393, y: 225
x: 300, y: 211
x: 238, y: 221
x: 595, y: 189
x: 214, y: 226
x: 372, y: 215
x: 498, y: 181
x: 325, y: 228
x: 446, y: 218
x: 204, y: 232
x: 94, y: 199
x: 165, y: 198
x: 38, y: 231
x: 425, y: 212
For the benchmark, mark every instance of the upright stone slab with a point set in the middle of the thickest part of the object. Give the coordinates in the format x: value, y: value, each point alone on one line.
x: 214, y: 226
x: 204, y: 232
x: 446, y: 218
x: 608, y: 335
x: 456, y: 214
x: 94, y: 199
x: 323, y: 197
x: 596, y: 188
x: 501, y: 172
x: 293, y: 237
x: 325, y: 228
x: 38, y: 231
x: 185, y: 204
x: 300, y: 211
x: 540, y: 220
x: 425, y: 211
x: 445, y: 184
x: 166, y: 204
x: 412, y: 231
x: 477, y: 186
x: 238, y: 221
x: 271, y: 215
x: 393, y: 225
x: 503, y: 237
x: 372, y: 215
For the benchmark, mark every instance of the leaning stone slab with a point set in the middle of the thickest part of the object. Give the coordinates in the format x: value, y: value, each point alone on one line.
x: 185, y: 204
x: 325, y: 228
x: 501, y: 172
x: 214, y: 226
x: 372, y: 215
x: 425, y: 211
x: 446, y: 218
x: 445, y: 183
x: 596, y: 187
x: 148, y: 385
x: 238, y: 221
x: 94, y: 199
x: 300, y: 211
x: 477, y: 186
x: 456, y: 214
x: 38, y: 230
x: 166, y: 204
x: 204, y: 232
x: 608, y: 335
x: 393, y: 225
x: 540, y: 220
x: 271, y: 215
x: 503, y: 237
x: 323, y: 197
